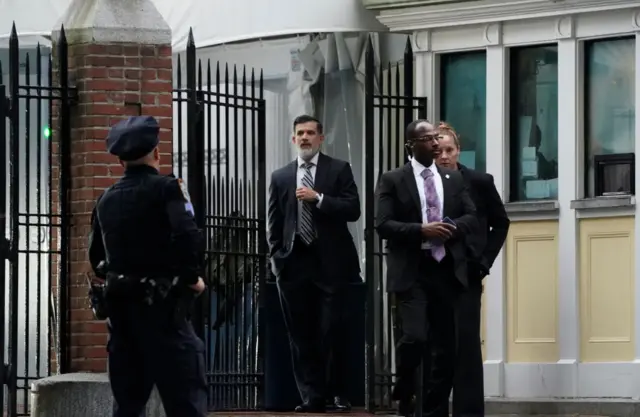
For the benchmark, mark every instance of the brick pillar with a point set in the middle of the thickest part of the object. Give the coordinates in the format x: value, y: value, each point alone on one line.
x: 120, y: 62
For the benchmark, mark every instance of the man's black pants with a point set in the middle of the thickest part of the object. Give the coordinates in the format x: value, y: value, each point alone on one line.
x: 311, y: 314
x: 440, y: 324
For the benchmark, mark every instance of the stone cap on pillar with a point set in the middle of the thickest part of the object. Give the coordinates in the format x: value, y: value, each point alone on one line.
x: 113, y: 21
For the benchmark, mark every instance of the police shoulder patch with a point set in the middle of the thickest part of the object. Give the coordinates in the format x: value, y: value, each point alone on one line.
x: 187, y: 199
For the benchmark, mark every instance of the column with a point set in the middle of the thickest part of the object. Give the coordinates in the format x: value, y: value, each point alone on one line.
x: 426, y: 73
x: 497, y: 159
x: 120, y: 61
x: 568, y: 153
x: 637, y: 207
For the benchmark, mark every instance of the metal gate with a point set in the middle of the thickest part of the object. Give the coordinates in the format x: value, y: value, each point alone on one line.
x: 389, y: 107
x: 34, y: 184
x: 219, y: 122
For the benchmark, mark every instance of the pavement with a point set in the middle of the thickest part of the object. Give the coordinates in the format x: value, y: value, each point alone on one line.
x: 502, y: 407
x: 363, y: 414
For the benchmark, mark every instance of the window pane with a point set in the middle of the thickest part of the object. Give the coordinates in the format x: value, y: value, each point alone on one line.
x: 610, y: 100
x: 463, y: 103
x: 533, y: 110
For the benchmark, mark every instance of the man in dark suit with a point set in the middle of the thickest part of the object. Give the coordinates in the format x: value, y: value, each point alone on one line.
x: 312, y: 254
x: 484, y: 246
x: 425, y: 213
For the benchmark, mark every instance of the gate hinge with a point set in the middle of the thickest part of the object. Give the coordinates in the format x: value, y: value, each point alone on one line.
x: 5, y: 248
x: 6, y: 374
x: 72, y: 95
x: 6, y: 106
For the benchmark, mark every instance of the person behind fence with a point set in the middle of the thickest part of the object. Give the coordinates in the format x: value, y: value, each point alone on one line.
x: 425, y: 213
x: 144, y: 240
x: 484, y: 246
x: 313, y: 256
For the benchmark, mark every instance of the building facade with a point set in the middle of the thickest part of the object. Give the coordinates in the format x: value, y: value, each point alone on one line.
x: 544, y: 96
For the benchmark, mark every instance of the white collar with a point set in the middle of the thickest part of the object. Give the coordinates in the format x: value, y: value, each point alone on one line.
x: 418, y: 168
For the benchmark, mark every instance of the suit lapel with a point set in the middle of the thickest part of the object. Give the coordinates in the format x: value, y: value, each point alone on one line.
x: 446, y: 192
x: 410, y: 182
x: 292, y: 184
x: 322, y: 173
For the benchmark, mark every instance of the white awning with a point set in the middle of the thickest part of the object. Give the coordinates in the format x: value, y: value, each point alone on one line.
x: 213, y: 21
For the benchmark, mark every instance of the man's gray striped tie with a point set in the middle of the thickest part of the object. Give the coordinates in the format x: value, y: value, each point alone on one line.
x: 307, y: 231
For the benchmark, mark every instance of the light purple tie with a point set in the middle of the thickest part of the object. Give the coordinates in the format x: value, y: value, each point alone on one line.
x: 433, y: 211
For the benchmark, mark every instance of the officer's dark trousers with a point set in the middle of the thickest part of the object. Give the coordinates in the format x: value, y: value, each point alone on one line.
x: 146, y: 348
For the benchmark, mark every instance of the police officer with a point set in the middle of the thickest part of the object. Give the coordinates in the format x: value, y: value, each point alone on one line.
x: 143, y: 228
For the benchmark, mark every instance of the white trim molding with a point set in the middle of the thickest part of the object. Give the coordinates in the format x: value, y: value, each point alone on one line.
x: 636, y: 21
x: 497, y: 141
x: 490, y: 11
x: 568, y: 157
x: 552, y: 380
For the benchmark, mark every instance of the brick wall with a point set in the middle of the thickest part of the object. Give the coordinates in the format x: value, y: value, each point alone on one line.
x: 113, y: 81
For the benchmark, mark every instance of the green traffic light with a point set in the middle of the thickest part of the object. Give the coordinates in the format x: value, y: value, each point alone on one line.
x: 47, y: 132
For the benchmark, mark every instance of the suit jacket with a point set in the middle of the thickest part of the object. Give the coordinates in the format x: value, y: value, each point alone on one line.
x: 493, y: 221
x: 340, y: 205
x: 399, y: 221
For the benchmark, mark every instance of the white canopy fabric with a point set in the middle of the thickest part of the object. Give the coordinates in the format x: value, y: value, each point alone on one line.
x: 213, y: 21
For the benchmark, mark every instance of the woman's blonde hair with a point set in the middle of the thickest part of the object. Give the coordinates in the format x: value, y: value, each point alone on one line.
x: 445, y: 128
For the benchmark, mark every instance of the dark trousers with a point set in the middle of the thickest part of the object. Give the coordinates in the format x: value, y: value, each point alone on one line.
x: 147, y: 348
x: 338, y: 364
x: 440, y: 324
x: 311, y: 313
x: 468, y: 382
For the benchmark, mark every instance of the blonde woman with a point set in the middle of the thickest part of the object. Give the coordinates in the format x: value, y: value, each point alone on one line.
x: 484, y: 246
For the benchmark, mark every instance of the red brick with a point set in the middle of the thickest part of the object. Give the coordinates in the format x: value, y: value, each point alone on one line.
x: 109, y: 78
x: 116, y: 73
x: 133, y: 74
x: 104, y: 85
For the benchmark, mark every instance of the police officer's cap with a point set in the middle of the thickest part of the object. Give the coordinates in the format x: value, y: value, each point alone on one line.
x: 133, y: 138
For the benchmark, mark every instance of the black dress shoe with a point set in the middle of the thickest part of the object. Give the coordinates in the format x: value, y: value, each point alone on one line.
x: 406, y: 408
x: 310, y: 408
x: 341, y: 404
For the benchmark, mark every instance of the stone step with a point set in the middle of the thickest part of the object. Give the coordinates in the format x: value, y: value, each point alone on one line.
x: 563, y: 407
x: 82, y: 395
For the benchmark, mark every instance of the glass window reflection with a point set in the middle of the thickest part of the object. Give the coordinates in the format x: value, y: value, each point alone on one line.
x: 610, y: 105
x: 463, y: 103
x: 534, y: 123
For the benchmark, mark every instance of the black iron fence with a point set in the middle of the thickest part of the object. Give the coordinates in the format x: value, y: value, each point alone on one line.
x: 219, y: 124
x: 34, y: 184
x: 389, y: 107
x: 220, y: 148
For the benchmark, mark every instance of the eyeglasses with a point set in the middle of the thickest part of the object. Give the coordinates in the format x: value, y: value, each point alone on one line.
x: 426, y: 138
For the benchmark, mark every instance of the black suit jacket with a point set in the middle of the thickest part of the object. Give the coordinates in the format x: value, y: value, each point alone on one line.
x: 485, y: 245
x: 399, y: 221
x: 340, y: 205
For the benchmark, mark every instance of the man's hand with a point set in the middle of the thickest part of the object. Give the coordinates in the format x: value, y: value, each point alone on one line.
x: 438, y: 230
x: 198, y: 287
x: 479, y: 269
x: 306, y: 194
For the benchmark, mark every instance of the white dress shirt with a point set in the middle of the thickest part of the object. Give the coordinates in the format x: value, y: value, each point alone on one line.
x: 417, y: 173
x: 300, y: 174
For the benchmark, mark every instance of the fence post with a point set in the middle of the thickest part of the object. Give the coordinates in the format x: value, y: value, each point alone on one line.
x: 369, y: 160
x: 65, y: 215
x: 14, y: 196
x: 195, y: 162
x: 4, y: 103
